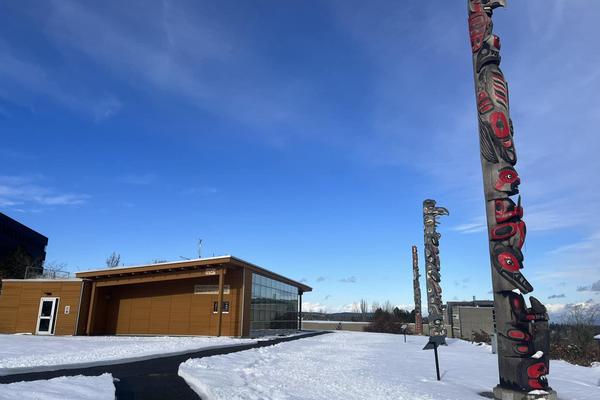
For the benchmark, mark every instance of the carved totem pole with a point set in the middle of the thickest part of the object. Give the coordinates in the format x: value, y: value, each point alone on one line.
x: 432, y: 268
x: 417, y: 290
x: 523, y: 336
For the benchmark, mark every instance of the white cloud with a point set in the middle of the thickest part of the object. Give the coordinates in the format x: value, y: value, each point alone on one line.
x: 479, y: 225
x: 26, y: 191
x: 576, y: 261
x: 559, y: 311
x: 308, y: 306
x: 23, y: 81
x: 183, y: 50
x: 555, y: 308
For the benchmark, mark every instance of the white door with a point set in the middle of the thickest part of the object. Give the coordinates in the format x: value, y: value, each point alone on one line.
x: 47, y: 316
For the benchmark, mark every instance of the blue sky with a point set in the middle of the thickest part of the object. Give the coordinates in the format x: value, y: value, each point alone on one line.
x: 301, y: 136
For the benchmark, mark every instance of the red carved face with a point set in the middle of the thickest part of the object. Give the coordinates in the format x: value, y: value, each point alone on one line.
x: 508, y: 262
x: 506, y: 209
x: 537, y: 375
x: 510, y: 230
x: 508, y: 181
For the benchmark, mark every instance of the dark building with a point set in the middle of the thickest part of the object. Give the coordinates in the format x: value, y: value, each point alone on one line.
x: 22, y: 250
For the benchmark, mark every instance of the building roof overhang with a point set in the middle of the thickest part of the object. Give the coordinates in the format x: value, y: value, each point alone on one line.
x: 179, y: 267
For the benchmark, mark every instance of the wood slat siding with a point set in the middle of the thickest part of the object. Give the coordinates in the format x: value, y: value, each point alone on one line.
x: 20, y: 302
x: 166, y: 308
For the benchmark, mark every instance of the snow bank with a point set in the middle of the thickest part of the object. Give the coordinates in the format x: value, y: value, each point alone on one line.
x: 360, y: 366
x: 27, y: 353
x: 66, y: 387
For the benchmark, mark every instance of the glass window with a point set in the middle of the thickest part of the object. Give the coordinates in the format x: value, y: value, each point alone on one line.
x: 44, y: 325
x: 46, y: 308
x: 274, y: 306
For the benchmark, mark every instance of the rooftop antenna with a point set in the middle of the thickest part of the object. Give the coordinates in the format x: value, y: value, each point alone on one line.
x: 199, y: 248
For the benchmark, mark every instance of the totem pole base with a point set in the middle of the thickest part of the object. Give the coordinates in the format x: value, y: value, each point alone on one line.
x: 501, y: 393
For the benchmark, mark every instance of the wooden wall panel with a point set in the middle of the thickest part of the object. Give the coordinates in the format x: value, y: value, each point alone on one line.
x: 20, y: 301
x: 167, y: 308
x: 180, y: 315
x: 84, y: 307
x: 101, y: 311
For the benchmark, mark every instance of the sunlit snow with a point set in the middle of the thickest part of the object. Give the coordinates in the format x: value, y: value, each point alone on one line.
x: 26, y: 353
x: 359, y: 366
x: 65, y: 387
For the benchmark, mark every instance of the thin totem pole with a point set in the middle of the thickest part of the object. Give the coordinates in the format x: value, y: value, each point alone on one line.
x: 523, y: 336
x: 417, y: 290
x: 432, y: 268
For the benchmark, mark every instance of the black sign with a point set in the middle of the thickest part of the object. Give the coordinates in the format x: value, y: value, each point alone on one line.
x: 434, y: 341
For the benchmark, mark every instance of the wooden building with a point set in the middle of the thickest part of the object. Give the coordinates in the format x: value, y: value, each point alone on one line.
x: 208, y: 296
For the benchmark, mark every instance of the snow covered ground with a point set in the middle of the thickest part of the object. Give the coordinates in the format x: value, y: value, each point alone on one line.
x: 318, y: 321
x: 28, y: 353
x: 72, y: 387
x: 359, y: 366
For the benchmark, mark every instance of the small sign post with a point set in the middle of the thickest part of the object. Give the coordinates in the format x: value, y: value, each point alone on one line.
x: 403, y: 329
x: 434, y: 343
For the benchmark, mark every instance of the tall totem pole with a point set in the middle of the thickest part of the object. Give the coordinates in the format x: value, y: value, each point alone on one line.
x: 417, y: 291
x: 432, y: 268
x: 523, y: 336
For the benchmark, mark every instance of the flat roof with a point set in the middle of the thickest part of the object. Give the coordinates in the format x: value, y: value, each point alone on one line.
x: 188, y: 264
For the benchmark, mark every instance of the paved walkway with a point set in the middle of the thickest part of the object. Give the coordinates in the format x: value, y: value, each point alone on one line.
x: 151, y: 379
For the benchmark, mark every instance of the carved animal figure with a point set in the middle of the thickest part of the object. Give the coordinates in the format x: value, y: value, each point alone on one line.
x: 523, y: 338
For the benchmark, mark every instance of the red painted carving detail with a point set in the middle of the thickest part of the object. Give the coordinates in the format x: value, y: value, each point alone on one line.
x: 478, y: 27
x: 500, y: 125
x: 484, y: 103
x: 506, y: 209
